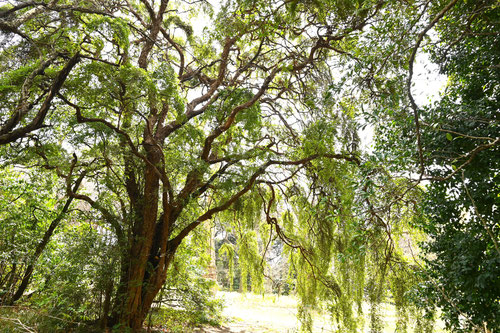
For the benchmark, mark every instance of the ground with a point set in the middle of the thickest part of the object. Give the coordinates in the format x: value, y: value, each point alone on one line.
x: 249, y: 313
x: 258, y: 314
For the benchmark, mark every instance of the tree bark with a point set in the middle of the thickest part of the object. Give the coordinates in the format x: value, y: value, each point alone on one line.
x: 146, y: 267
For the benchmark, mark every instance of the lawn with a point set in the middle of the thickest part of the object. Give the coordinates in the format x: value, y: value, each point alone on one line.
x: 270, y: 313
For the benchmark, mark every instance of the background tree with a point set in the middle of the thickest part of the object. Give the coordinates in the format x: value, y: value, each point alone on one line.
x: 461, y: 136
x: 457, y: 151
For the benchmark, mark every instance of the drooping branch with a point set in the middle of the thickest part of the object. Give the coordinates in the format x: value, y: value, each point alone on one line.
x: 304, y: 252
x: 469, y: 158
x: 480, y: 217
x: 179, y: 50
x: 174, y: 242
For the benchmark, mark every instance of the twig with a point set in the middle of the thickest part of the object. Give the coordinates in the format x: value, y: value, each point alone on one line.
x: 20, y: 323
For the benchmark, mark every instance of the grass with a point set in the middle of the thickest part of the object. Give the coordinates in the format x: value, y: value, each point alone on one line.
x: 243, y: 312
x: 270, y: 313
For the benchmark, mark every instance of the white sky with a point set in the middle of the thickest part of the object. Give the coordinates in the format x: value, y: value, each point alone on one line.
x: 428, y: 82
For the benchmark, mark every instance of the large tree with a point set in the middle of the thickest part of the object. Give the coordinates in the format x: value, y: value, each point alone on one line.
x: 176, y: 127
x: 167, y: 123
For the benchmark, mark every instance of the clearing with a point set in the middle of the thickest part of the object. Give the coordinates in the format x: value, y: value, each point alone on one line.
x: 250, y: 313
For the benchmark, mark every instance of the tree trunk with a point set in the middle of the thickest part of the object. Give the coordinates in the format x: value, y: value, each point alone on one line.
x: 106, y: 305
x: 149, y: 289
x: 147, y: 261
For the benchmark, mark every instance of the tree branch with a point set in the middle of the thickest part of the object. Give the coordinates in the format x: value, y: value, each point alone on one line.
x: 410, y: 76
x: 174, y: 242
x: 37, y: 121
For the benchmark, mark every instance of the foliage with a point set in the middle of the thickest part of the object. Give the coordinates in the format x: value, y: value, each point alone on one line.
x: 463, y: 209
x: 227, y: 250
x: 459, y: 158
x: 28, y: 205
x: 173, y: 320
x: 150, y: 125
x: 27, y: 319
x: 186, y: 287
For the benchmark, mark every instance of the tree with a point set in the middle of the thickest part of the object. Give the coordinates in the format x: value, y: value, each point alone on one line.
x: 168, y: 126
x: 463, y: 200
x: 457, y: 153
x: 129, y: 94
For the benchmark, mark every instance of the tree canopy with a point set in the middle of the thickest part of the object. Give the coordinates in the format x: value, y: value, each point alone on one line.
x: 126, y: 126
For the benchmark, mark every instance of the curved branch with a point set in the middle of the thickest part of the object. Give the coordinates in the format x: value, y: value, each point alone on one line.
x: 40, y: 247
x: 37, y: 121
x: 410, y: 76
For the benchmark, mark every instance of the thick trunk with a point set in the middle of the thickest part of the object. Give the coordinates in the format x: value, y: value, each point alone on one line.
x: 140, y: 251
x: 135, y: 319
x: 147, y: 262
